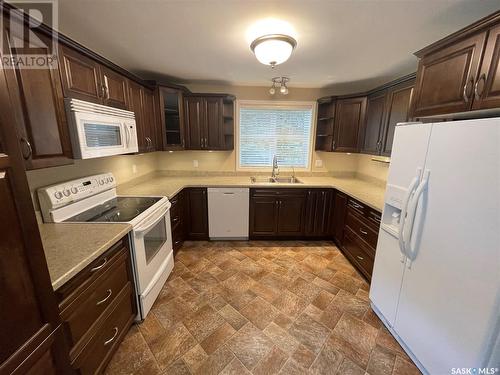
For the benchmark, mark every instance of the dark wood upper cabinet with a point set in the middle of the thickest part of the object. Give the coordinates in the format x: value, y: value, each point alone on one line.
x: 349, y: 122
x: 150, y: 117
x: 214, y: 132
x: 375, y: 108
x: 115, y: 88
x: 142, y: 103
x: 487, y: 87
x: 194, y: 118
x: 170, y: 118
x: 32, y: 339
x: 397, y: 110
x: 208, y: 121
x: 85, y: 79
x: 460, y: 72
x: 80, y: 76
x: 39, y: 105
x: 196, y: 213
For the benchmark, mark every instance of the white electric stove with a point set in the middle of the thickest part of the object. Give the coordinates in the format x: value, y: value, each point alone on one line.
x: 94, y: 200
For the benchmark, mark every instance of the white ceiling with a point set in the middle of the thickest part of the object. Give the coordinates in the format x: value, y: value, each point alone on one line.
x: 363, y: 42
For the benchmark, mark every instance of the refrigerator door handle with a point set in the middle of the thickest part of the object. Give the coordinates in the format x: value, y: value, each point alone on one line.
x: 404, y: 207
x: 408, y: 230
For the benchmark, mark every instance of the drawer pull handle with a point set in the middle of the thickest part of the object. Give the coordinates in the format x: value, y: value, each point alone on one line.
x: 356, y: 205
x: 178, y: 241
x: 363, y: 231
x: 97, y: 268
x: 360, y: 258
x: 175, y: 219
x: 109, y: 292
x: 109, y: 341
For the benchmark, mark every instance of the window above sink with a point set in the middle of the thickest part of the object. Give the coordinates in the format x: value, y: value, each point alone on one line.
x: 268, y: 128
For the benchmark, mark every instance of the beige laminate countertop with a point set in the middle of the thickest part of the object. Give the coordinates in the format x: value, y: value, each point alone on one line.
x: 69, y: 248
x: 366, y: 192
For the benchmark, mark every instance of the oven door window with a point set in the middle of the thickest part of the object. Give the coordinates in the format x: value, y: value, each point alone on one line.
x: 154, y: 239
x: 102, y: 135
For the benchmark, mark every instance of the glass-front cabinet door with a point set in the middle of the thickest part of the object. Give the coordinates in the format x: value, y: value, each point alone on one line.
x: 172, y: 118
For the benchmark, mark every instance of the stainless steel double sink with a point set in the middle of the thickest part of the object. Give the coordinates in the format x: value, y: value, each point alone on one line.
x: 275, y: 180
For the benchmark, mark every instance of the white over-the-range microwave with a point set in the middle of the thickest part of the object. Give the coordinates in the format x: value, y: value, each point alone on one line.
x: 98, y: 130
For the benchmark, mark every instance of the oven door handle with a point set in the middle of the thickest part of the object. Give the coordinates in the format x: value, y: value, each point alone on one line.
x: 159, y: 214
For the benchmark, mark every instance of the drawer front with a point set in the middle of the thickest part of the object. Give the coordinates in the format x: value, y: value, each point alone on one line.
x: 108, y: 336
x: 90, y: 305
x: 356, y: 250
x: 67, y: 293
x: 354, y: 205
x: 176, y: 206
x: 177, y: 236
x: 277, y: 192
x: 359, y: 225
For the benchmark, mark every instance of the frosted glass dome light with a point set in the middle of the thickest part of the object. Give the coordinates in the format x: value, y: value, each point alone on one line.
x: 273, y: 49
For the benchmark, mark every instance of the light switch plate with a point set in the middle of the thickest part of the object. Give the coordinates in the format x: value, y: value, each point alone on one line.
x: 195, y: 163
x: 318, y: 163
x: 134, y: 168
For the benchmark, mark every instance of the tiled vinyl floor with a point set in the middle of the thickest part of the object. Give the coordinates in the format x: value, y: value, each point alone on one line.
x: 261, y: 308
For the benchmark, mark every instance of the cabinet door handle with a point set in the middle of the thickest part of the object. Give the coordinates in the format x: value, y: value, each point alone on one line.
x: 97, y: 268
x: 464, y: 93
x: 109, y: 341
x: 30, y: 149
x: 360, y: 258
x: 478, y: 95
x: 175, y: 219
x: 333, y: 145
x: 363, y: 231
x: 178, y: 241
x: 109, y: 293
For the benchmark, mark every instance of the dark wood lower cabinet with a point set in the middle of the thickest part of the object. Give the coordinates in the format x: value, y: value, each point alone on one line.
x: 277, y: 213
x: 97, y: 308
x: 177, y: 221
x: 360, y: 235
x: 318, y: 209
x: 339, y: 213
x: 196, y: 213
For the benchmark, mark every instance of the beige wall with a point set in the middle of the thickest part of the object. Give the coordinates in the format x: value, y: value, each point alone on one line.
x: 121, y: 166
x: 373, y: 169
x: 260, y: 92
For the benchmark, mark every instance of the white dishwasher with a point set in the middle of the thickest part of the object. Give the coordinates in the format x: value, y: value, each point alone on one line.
x: 228, y: 213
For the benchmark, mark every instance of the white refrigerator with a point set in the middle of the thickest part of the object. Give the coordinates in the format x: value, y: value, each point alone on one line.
x: 436, y: 278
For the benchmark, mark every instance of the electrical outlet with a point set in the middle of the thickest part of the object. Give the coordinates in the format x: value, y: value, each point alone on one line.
x: 134, y: 168
x: 195, y: 163
x: 318, y: 163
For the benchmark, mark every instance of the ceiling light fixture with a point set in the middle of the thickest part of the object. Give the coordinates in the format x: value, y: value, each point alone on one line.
x: 273, y: 49
x: 281, y: 81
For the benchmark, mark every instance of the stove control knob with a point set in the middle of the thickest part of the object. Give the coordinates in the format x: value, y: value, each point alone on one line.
x: 74, y: 190
x: 58, y: 195
x: 66, y: 192
x: 101, y: 181
x: 111, y: 179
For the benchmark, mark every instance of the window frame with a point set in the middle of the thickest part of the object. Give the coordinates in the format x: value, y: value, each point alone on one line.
x: 273, y: 104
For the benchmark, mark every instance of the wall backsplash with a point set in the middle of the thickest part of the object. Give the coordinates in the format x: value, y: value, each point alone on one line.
x: 218, y: 161
x: 121, y: 166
